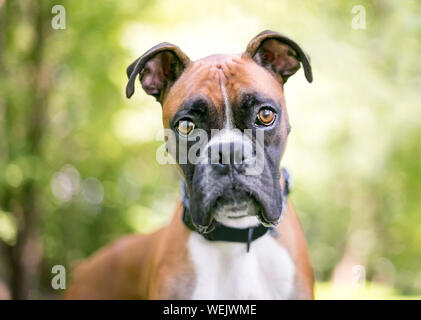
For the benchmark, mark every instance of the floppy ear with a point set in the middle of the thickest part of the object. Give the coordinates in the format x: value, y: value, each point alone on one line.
x: 158, y: 69
x: 278, y: 54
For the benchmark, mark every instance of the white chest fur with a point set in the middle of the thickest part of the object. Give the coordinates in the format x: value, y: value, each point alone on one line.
x: 224, y: 270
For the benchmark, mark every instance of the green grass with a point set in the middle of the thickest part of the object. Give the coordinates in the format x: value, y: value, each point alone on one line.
x: 371, y: 291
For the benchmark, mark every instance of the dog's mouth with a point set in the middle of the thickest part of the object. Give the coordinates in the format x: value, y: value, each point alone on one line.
x: 233, y: 209
x: 239, y: 209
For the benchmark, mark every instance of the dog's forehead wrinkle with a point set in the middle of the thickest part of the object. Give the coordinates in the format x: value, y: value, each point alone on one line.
x: 227, y: 106
x: 220, y: 65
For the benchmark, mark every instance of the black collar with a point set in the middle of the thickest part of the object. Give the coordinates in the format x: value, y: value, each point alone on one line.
x: 224, y: 233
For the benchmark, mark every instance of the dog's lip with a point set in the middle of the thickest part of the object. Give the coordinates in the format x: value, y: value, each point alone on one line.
x: 233, y: 210
x: 206, y: 229
x: 234, y: 207
x: 237, y: 217
x: 262, y: 218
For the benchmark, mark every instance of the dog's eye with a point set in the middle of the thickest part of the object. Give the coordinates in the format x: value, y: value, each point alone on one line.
x: 265, y: 117
x: 185, y: 127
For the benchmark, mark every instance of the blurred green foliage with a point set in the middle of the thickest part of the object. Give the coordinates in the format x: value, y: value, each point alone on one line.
x: 84, y: 156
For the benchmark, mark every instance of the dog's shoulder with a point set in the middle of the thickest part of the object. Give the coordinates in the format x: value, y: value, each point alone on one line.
x: 114, y: 270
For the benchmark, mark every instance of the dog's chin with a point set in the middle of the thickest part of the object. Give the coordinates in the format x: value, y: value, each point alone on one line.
x: 237, y: 215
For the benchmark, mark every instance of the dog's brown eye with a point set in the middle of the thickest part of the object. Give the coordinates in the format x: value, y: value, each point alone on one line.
x: 185, y: 127
x: 265, y: 117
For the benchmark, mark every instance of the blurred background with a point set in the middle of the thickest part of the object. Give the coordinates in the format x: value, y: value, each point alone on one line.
x: 77, y: 159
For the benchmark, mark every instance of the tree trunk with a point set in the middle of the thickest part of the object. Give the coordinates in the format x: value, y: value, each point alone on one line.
x: 25, y: 255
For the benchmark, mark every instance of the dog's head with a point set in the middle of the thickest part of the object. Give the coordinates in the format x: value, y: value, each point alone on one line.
x: 229, y: 125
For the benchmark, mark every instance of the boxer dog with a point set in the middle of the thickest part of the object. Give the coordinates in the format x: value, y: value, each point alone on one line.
x: 233, y: 234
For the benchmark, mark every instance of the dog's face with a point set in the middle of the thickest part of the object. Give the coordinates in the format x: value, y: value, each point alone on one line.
x: 230, y: 125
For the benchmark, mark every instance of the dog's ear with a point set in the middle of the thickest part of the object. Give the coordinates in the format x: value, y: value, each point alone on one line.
x: 158, y: 69
x: 278, y: 54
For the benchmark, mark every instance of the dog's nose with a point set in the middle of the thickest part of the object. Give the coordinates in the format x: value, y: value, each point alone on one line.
x: 227, y: 155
